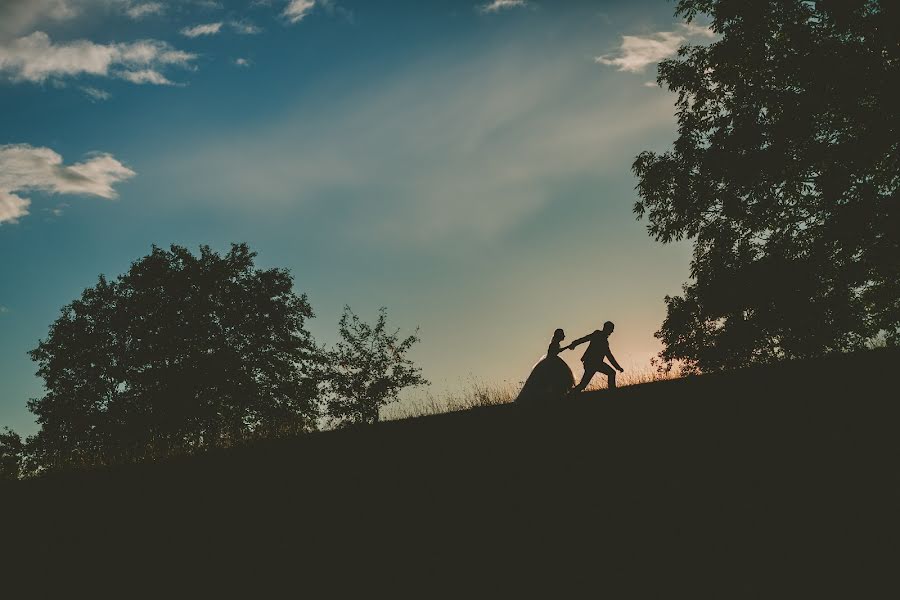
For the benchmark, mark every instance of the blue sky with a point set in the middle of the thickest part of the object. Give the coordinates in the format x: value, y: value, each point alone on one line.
x: 465, y: 163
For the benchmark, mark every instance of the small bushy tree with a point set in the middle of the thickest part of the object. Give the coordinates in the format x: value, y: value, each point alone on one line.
x: 367, y: 369
x: 181, y: 352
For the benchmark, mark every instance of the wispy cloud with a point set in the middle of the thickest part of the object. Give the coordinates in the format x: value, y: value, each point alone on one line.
x: 26, y: 168
x: 35, y: 58
x: 297, y: 10
x: 96, y: 94
x: 3, y: 309
x: 204, y: 29
x: 433, y: 154
x: 636, y: 52
x: 245, y: 28
x: 242, y: 62
x: 333, y: 8
x: 18, y: 16
x: 58, y: 210
x: 142, y: 10
x: 240, y: 27
x: 498, y: 5
x: 146, y: 76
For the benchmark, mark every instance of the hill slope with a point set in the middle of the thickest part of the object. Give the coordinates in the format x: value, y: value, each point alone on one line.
x: 766, y: 482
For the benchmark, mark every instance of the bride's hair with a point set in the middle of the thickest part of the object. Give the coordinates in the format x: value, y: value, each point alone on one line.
x: 558, y: 335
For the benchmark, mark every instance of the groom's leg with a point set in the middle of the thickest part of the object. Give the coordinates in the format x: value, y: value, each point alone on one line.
x: 610, y: 374
x: 585, y: 380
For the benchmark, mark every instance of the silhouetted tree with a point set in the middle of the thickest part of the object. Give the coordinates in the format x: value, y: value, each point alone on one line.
x: 12, y: 451
x: 367, y: 369
x: 181, y: 352
x: 785, y: 175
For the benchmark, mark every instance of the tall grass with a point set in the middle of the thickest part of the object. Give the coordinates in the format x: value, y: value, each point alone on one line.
x: 474, y: 394
x: 633, y: 376
x: 477, y: 393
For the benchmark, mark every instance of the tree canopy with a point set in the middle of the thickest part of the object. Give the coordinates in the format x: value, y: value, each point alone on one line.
x: 785, y: 176
x: 181, y: 352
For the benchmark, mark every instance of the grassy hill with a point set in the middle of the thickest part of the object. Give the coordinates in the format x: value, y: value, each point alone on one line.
x: 768, y: 482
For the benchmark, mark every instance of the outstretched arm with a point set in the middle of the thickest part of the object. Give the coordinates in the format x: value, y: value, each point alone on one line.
x: 578, y: 341
x: 612, y: 359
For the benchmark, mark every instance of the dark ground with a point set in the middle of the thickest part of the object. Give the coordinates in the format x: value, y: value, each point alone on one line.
x: 778, y: 482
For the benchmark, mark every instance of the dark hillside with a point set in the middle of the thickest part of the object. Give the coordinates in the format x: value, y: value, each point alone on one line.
x: 777, y: 482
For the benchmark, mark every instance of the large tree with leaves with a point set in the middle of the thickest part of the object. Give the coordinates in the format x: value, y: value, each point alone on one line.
x: 367, y: 369
x: 786, y: 177
x: 181, y: 352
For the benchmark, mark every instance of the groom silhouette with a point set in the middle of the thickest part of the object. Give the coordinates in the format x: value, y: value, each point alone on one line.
x: 594, y: 355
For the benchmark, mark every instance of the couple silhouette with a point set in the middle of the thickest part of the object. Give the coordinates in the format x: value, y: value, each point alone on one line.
x: 551, y: 377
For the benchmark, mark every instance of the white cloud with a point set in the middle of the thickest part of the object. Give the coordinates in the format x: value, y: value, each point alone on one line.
x: 96, y: 94
x: 26, y: 168
x: 296, y: 10
x: 58, y: 210
x: 498, y: 5
x: 35, y: 58
x: 17, y: 16
x: 637, y: 52
x: 144, y: 9
x: 205, y: 29
x: 146, y: 76
x: 12, y: 207
x: 242, y: 62
x: 694, y: 30
x: 245, y: 28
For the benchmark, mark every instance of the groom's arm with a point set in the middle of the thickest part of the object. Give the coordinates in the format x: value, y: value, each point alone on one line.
x: 612, y: 359
x: 579, y: 341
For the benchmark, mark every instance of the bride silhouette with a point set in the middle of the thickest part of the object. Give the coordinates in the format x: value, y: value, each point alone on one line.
x: 551, y: 378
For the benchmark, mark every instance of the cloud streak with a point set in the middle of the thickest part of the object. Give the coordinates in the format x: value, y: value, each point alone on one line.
x: 36, y: 58
x: 144, y: 9
x: 498, y: 5
x: 637, y: 52
x: 200, y: 30
x: 25, y: 168
x: 245, y: 28
x: 436, y: 153
x: 297, y: 10
x: 96, y: 94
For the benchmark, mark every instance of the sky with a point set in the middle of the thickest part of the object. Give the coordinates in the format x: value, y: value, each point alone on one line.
x: 465, y: 163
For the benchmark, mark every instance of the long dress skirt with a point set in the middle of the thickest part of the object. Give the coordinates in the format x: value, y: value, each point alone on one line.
x: 550, y: 379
